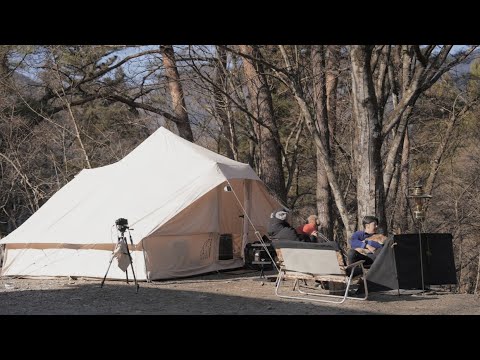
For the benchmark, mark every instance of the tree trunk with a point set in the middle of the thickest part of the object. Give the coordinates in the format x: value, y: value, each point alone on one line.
x: 270, y: 169
x: 77, y: 135
x: 333, y: 63
x: 4, y: 70
x: 402, y: 192
x: 292, y: 80
x: 228, y: 142
x: 438, y: 156
x: 333, y: 72
x: 404, y: 184
x: 395, y: 145
x: 326, y: 161
x: 368, y: 137
x: 176, y: 92
x: 323, y: 195
x: 477, y: 278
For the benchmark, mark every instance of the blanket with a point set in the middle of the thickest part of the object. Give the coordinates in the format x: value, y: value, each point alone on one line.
x: 379, y: 238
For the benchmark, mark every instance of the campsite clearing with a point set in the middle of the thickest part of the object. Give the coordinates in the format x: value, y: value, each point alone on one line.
x: 228, y: 293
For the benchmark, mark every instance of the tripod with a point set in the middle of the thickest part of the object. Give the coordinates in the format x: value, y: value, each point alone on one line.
x: 122, y: 241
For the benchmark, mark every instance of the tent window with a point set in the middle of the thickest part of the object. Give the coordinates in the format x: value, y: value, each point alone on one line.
x: 225, y: 247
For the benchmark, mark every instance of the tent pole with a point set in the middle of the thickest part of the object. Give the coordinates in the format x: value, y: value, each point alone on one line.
x: 257, y: 233
x: 246, y: 198
x: 395, y: 267
x: 421, y: 254
x: 145, y: 262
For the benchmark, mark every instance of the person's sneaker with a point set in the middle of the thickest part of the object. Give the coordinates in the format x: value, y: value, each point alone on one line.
x: 352, y: 292
x: 321, y: 285
x: 360, y: 290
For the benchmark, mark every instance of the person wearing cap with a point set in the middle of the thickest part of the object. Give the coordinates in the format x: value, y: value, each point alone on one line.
x: 363, y: 248
x: 279, y: 228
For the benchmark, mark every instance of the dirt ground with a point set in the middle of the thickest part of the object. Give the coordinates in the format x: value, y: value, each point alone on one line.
x: 236, y: 292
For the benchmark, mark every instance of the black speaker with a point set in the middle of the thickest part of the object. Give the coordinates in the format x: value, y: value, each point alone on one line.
x: 437, y: 261
x: 225, y: 247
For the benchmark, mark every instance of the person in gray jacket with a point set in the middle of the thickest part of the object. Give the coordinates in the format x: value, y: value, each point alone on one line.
x: 279, y: 228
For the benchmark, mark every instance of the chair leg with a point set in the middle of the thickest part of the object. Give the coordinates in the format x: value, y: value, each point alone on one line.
x: 364, y: 284
x: 295, y: 285
x: 310, y: 296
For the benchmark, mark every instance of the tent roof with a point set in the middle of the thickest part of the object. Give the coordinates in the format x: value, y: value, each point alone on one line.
x: 158, y: 179
x: 163, y: 148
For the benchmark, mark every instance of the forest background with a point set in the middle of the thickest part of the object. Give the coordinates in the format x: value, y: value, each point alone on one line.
x: 340, y: 131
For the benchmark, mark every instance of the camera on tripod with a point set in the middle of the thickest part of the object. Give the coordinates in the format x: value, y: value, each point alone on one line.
x: 122, y: 252
x: 122, y: 225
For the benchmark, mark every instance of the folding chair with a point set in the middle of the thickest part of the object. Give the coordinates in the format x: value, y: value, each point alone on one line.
x: 315, y: 261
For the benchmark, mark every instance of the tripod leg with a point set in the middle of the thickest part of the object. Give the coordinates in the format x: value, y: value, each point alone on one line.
x: 134, y: 278
x: 124, y: 241
x: 109, y: 264
x: 133, y: 271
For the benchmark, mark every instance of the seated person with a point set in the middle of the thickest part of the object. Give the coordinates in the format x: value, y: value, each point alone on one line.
x: 365, y: 244
x: 280, y: 229
x: 309, y: 230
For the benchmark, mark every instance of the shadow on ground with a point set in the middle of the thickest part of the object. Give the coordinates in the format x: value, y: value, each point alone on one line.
x: 228, y: 293
x: 233, y: 293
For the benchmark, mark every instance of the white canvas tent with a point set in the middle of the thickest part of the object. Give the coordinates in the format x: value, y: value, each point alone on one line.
x: 171, y: 191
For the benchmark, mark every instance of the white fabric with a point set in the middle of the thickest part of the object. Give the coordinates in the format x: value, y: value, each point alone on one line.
x: 69, y: 262
x: 165, y: 187
x: 121, y: 254
x: 312, y: 261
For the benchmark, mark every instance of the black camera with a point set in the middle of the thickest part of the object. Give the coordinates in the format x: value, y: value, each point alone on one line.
x: 122, y: 224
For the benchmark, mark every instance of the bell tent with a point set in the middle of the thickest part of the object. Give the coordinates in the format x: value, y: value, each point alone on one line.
x: 190, y: 211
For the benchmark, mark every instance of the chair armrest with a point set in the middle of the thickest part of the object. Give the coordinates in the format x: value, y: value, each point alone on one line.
x: 356, y: 263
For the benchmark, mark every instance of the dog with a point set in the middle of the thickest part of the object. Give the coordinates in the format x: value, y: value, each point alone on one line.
x: 379, y: 238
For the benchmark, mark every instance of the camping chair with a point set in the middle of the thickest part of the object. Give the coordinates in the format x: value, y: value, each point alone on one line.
x: 320, y: 262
